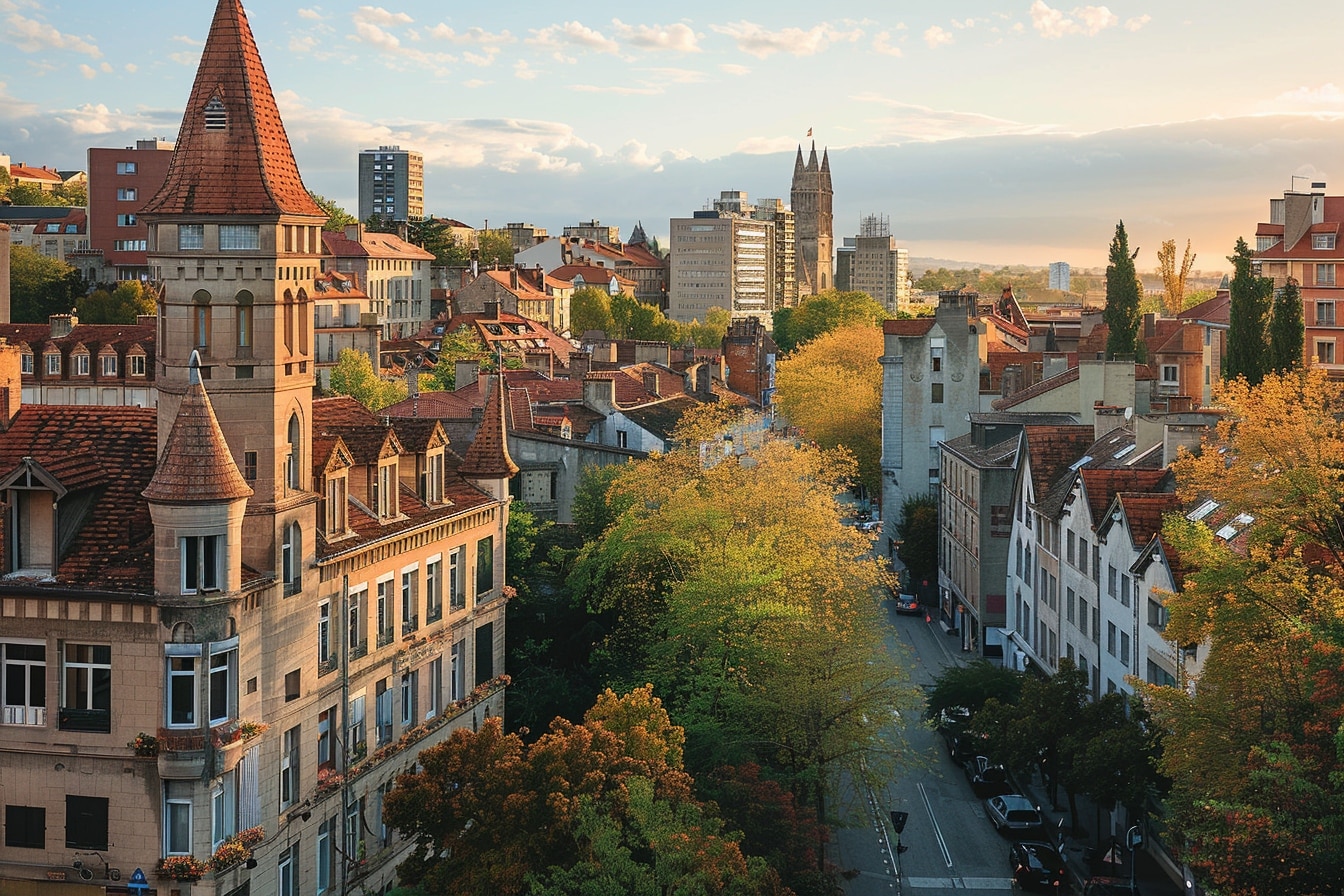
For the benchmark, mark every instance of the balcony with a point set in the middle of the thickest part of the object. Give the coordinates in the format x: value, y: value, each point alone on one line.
x: 182, y: 754
x: 327, y: 664
x: 95, y: 720
x: 25, y: 715
x: 385, y: 637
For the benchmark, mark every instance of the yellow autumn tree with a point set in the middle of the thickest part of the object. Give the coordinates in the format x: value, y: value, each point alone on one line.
x: 831, y: 389
x: 1173, y: 278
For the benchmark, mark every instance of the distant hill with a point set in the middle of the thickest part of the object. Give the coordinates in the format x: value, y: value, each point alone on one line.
x: 919, y: 265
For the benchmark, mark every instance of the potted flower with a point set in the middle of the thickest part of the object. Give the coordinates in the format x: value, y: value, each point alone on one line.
x: 181, y: 867
x: 231, y: 852
x: 145, y: 746
x: 328, y: 779
x: 252, y: 836
x: 248, y: 729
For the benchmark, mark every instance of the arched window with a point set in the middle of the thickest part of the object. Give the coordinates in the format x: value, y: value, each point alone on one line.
x: 200, y: 321
x: 244, y: 324
x: 291, y: 559
x: 289, y: 322
x: 216, y: 118
x: 305, y: 321
x: 295, y: 453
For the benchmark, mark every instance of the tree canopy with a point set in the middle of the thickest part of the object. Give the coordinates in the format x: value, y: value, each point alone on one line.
x: 337, y: 217
x: 120, y: 304
x: 1251, y: 296
x: 822, y: 313
x: 354, y: 375
x: 831, y: 389
x: 41, y: 286
x: 1173, y: 277
x: 604, y: 806
x: 1255, y: 750
x: 1122, y: 299
x: 1286, y: 329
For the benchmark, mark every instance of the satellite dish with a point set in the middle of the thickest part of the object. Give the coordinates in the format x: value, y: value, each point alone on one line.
x: 1129, y: 413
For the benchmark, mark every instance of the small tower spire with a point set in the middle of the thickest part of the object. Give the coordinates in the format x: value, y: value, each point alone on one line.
x: 487, y: 460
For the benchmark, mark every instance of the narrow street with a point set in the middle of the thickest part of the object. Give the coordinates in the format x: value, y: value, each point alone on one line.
x: 950, y: 844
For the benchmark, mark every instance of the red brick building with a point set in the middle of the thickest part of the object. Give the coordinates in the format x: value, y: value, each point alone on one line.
x: 121, y: 181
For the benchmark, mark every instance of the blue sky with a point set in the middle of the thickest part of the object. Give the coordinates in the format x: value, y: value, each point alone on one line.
x: 992, y: 132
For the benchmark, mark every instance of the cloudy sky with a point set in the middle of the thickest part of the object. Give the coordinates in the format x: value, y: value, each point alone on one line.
x: 995, y: 132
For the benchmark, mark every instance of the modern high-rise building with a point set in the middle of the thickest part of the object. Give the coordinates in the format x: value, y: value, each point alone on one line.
x: 878, y: 267
x: 811, y: 197
x: 1059, y: 275
x: 721, y: 260
x: 121, y: 181
x: 786, y: 249
x: 391, y: 184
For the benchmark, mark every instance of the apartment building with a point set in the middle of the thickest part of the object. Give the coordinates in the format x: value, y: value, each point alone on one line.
x: 721, y: 260
x: 878, y: 266
x: 391, y: 184
x: 121, y: 181
x: 395, y: 275
x: 228, y: 622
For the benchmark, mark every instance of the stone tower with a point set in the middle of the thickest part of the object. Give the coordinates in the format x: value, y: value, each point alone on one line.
x: 811, y: 197
x: 235, y: 243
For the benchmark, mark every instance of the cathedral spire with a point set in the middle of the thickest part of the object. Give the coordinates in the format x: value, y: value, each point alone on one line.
x: 233, y: 156
x: 812, y: 159
x: 798, y: 167
x: 825, y: 170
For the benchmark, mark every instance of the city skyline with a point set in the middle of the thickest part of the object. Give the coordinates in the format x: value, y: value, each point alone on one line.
x: 989, y: 133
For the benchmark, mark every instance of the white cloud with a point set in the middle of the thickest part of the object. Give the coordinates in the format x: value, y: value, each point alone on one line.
x: 572, y: 34
x: 371, y: 34
x: 524, y: 71
x: 302, y: 44
x: 902, y: 122
x: 937, y: 37
x: 882, y: 44
x: 474, y: 83
x: 732, y: 68
x: 33, y: 36
x: 311, y: 15
x: 105, y: 68
x: 88, y: 71
x: 968, y: 23
x: 679, y: 75
x: 678, y: 38
x: 477, y: 37
x: 1326, y: 99
x: 755, y: 40
x: 635, y: 153
x: 618, y: 89
x: 132, y: 67
x: 189, y: 41
x: 189, y: 59
x: 1086, y: 20
x: 1137, y: 22
x: 376, y: 15
x: 92, y: 120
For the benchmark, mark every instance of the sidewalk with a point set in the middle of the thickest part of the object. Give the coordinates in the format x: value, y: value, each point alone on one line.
x: 1085, y: 859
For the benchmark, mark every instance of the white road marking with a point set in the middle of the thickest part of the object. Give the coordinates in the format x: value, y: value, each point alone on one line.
x: 937, y: 831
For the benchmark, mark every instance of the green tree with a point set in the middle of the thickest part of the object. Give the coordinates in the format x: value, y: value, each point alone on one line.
x: 1251, y: 296
x: 41, y: 286
x: 73, y: 193
x: 1122, y: 300
x: 32, y: 194
x: 1286, y: 329
x: 122, y: 304
x: 378, y: 223
x: 432, y: 235
x: 822, y: 313
x: 918, y: 531
x: 633, y: 319
x: 337, y: 217
x: 353, y: 375
x: 971, y: 686
x: 708, y: 334
x: 590, y: 309
x: 496, y: 247
x: 460, y: 345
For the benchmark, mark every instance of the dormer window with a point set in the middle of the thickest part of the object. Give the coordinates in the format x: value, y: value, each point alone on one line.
x: 386, y: 490
x: 337, y: 514
x: 216, y: 118
x: 431, y: 479
x: 107, y: 363
x: 80, y: 363
x: 27, y: 363
x: 53, y: 363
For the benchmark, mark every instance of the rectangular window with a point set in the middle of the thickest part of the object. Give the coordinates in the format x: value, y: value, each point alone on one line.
x: 356, y: 625
x: 108, y: 365
x: 86, y: 698
x: 457, y: 578
x: 1325, y: 275
x: 410, y: 683
x: 1125, y: 582
x: 384, y: 613
x: 1068, y: 604
x: 434, y: 590
x: 250, y: 466
x: 53, y: 364
x: 1096, y: 564
x: 126, y: 194
x: 81, y: 365
x: 485, y: 653
x: 125, y: 220
x: 1157, y: 615
x: 1110, y: 638
x: 1171, y: 375
x: 458, y: 672
x: 383, y: 710
x: 27, y: 363
x: 435, y: 688
x: 387, y: 497
x: 137, y: 365
x: 86, y: 822
x: 126, y: 167
x: 1322, y: 241
x: 223, y: 684
x: 325, y: 854
x: 1082, y: 616
x: 936, y: 393
x: 1325, y: 314
x: 222, y: 798
x: 26, y: 827
x: 1325, y: 353
x: 326, y: 757
x: 288, y: 880
x: 191, y: 236
x: 182, y: 691
x: 354, y: 828
x: 239, y: 237
x: 1124, y: 647
x: 1096, y: 624
x: 1112, y: 577
x: 410, y: 618
x: 177, y: 818
x: 485, y: 566
x: 355, y: 745
x: 200, y: 556
x: 325, y: 659
x: 1072, y: 548
x: 289, y: 768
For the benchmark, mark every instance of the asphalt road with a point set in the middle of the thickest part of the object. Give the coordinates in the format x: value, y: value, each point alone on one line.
x: 951, y: 845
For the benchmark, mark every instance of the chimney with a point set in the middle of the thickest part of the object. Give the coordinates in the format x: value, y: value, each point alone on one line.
x: 355, y: 232
x: 11, y: 379
x: 579, y: 365
x: 599, y: 393
x: 1149, y: 325
x: 465, y: 372
x: 513, y: 277
x: 651, y: 382
x: 491, y: 309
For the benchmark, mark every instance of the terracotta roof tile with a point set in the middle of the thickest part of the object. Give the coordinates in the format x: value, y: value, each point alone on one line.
x: 488, y: 456
x: 247, y: 167
x: 919, y: 326
x: 196, y: 464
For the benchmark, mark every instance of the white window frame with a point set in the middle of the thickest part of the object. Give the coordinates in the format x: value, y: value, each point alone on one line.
x: 198, y: 573
x: 53, y: 363
x: 89, y: 667
x: 126, y: 194
x: 324, y: 653
x: 172, y: 805
x: 126, y: 168
x: 19, y: 711
x: 26, y: 365
x: 188, y: 653
x: 289, y: 767
x: 107, y: 365
x: 239, y: 237
x: 137, y: 364
x: 1325, y: 274
x: 223, y: 666
x: 434, y: 586
x: 191, y: 236
x: 222, y: 819
x: 1171, y: 375
x: 81, y: 364
x: 410, y: 598
x: 1322, y: 241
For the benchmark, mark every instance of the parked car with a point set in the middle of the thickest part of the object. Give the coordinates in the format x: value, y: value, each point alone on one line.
x: 908, y: 605
x: 1014, y: 815
x: 986, y: 778
x: 1037, y: 865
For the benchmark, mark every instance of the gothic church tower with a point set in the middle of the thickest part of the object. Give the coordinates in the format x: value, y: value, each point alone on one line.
x: 235, y: 242
x: 811, y: 199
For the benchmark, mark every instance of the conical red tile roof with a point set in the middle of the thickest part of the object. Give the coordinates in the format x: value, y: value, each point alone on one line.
x: 488, y: 456
x: 247, y: 166
x: 196, y: 465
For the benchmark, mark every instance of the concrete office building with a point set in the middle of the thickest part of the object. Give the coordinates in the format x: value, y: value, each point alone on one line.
x: 1059, y: 275
x: 721, y: 260
x: 391, y: 184
x: 878, y: 267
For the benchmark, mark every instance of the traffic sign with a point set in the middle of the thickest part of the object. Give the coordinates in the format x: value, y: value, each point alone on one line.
x: 138, y: 883
x: 898, y: 820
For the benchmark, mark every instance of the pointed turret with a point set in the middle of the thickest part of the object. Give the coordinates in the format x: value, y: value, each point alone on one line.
x: 196, y: 465
x: 812, y: 158
x: 798, y: 166
x: 825, y: 170
x: 487, y: 461
x: 232, y: 154
x: 637, y: 236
